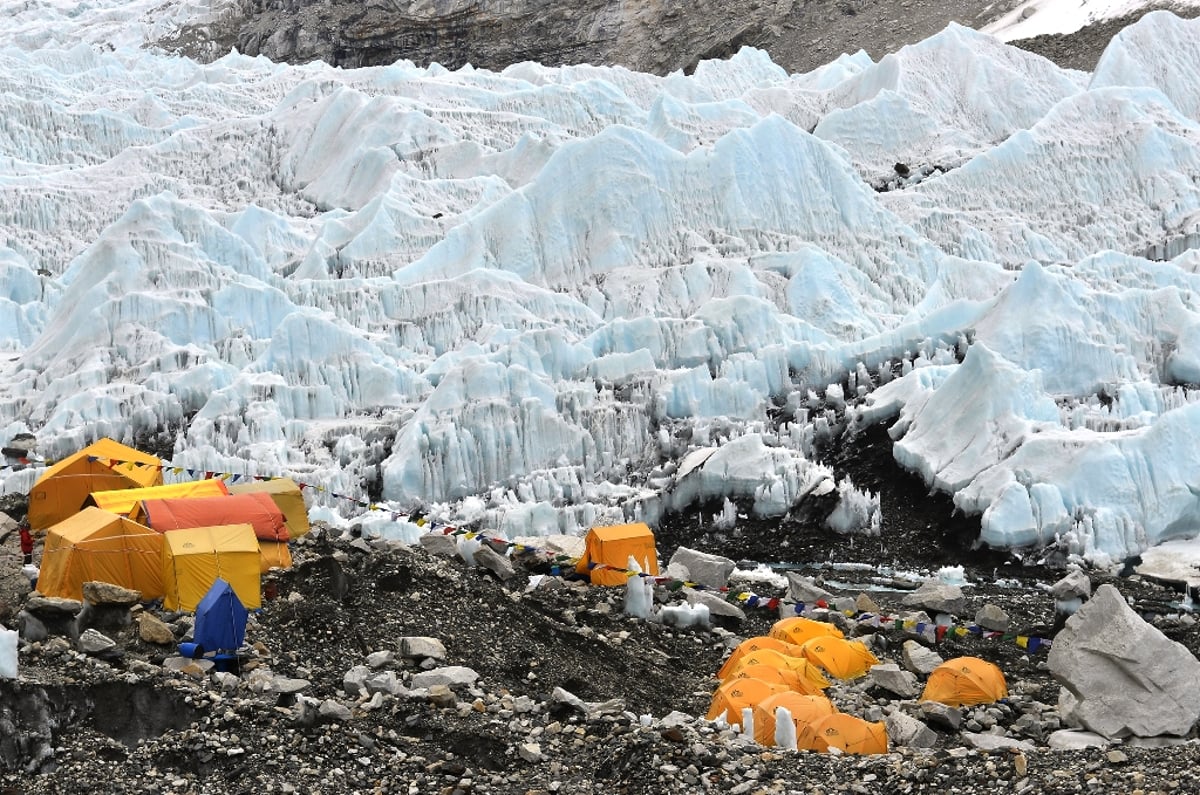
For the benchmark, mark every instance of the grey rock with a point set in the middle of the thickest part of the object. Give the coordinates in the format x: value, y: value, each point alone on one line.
x: 905, y: 730
x: 1124, y: 676
x: 378, y: 659
x: 530, y: 752
x: 805, y: 589
x: 439, y: 544
x: 1076, y: 740
x: 334, y: 710
x: 151, y: 629
x: 889, y: 677
x: 937, y: 597
x: 493, y: 561
x: 1076, y: 585
x: 53, y: 607
x: 354, y: 680
x: 942, y: 716
x: 422, y: 648
x: 992, y: 617
x: 715, y: 604
x: 385, y: 682
x: 30, y: 627
x: 995, y: 742
x: 105, y: 593
x: 920, y: 659
x: 94, y: 643
x: 702, y: 567
x: 450, y: 675
x: 285, y: 684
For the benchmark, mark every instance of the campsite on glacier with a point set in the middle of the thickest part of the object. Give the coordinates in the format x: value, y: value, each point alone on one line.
x: 930, y: 320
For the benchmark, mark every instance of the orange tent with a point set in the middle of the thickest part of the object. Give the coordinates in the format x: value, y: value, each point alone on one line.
x: 95, y: 545
x: 964, y: 682
x: 756, y: 644
x: 793, y: 680
x: 612, y: 546
x: 286, y: 494
x: 805, y: 709
x: 840, y: 658
x: 101, y: 466
x: 257, y: 509
x: 799, y: 630
x: 800, y: 665
x: 738, y: 694
x: 126, y: 501
x: 839, y: 730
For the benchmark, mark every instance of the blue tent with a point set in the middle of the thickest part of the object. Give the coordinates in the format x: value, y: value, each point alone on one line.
x: 220, y: 619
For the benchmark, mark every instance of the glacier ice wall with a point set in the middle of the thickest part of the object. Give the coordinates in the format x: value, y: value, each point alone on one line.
x: 543, y: 298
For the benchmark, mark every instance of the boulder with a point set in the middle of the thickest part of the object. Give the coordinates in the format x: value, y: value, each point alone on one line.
x: 716, y: 605
x: 805, y: 589
x: 153, y: 630
x: 1122, y: 676
x: 905, y: 730
x: 439, y: 544
x: 493, y: 561
x: 996, y: 742
x: 105, y: 593
x: 992, y: 617
x: 450, y: 675
x: 416, y: 647
x: 1076, y: 585
x: 1075, y: 740
x: 55, y: 616
x: 889, y: 677
x: 937, y: 597
x: 920, y: 659
x: 93, y: 643
x: 701, y: 567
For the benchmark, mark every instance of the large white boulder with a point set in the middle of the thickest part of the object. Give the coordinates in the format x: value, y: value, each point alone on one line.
x: 1123, y: 677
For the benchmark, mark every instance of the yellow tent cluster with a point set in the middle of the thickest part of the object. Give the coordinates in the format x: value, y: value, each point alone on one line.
x: 93, y: 509
x: 789, y: 668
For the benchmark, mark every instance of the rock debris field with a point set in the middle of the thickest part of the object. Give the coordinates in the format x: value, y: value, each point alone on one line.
x: 382, y: 668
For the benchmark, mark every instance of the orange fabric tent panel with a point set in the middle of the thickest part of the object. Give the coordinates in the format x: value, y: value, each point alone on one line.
x: 258, y: 510
x: 754, y: 644
x: 287, y: 495
x: 805, y: 709
x: 125, y: 501
x: 964, y: 682
x: 613, y: 546
x: 737, y: 694
x: 840, y: 658
x: 792, y: 680
x: 104, y: 465
x: 840, y: 730
x: 800, y: 665
x: 98, y: 546
x: 273, y: 555
x: 799, y: 630
x: 193, y: 558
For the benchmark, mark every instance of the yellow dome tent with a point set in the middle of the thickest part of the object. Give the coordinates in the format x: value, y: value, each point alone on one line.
x: 95, y: 545
x: 101, y: 466
x: 838, y: 657
x: 807, y: 671
x: 737, y: 694
x: 799, y: 630
x: 839, y: 730
x: 797, y: 681
x: 613, y: 546
x: 964, y: 682
x: 757, y: 644
x: 805, y: 709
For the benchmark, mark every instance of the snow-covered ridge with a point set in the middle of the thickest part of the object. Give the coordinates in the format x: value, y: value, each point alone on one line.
x: 524, y: 298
